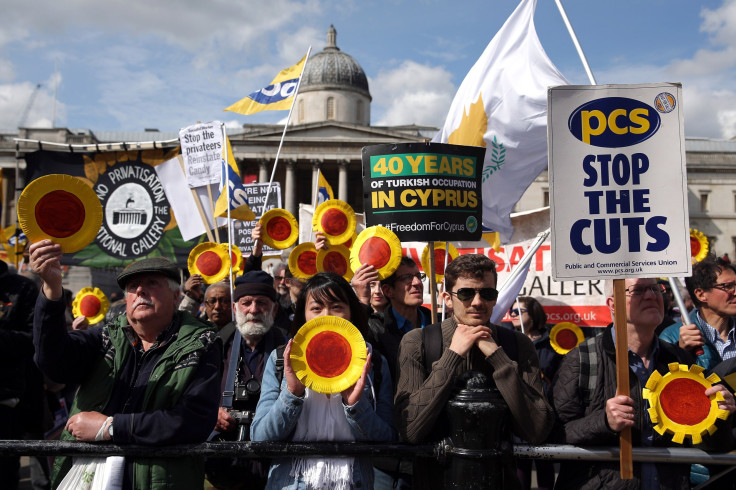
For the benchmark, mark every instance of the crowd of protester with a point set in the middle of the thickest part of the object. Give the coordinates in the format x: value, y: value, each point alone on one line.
x: 177, y: 363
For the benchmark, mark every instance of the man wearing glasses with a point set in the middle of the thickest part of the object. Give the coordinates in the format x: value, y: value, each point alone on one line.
x: 469, y: 343
x: 405, y: 291
x: 593, y: 414
x: 711, y: 336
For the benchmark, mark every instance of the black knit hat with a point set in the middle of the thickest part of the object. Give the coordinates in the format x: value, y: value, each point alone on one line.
x: 155, y: 265
x: 254, y: 283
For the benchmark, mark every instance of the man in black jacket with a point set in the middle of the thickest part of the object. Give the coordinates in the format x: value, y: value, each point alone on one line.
x: 591, y: 412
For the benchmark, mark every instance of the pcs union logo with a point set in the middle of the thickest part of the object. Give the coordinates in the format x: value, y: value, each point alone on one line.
x: 135, y: 210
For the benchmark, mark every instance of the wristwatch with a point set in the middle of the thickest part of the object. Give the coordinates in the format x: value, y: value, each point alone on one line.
x: 109, y: 430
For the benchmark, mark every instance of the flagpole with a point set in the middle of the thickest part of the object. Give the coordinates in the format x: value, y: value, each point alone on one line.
x: 226, y: 169
x: 283, y: 135
x: 526, y: 259
x: 575, y: 41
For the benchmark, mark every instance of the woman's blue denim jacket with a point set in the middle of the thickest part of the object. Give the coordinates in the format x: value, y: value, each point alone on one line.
x: 278, y: 410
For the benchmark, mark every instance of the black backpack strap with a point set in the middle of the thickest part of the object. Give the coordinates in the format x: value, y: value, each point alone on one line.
x: 280, y: 363
x: 507, y: 340
x: 431, y: 345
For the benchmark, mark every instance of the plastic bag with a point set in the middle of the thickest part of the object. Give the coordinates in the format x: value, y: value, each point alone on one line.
x: 94, y: 474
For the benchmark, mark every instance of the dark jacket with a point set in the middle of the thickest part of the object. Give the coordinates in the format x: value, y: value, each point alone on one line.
x: 385, y: 337
x: 586, y: 425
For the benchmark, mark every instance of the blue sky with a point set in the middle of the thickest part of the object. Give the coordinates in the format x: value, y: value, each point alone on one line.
x: 128, y: 65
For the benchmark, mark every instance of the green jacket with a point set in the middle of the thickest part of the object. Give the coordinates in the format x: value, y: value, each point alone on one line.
x: 168, y: 381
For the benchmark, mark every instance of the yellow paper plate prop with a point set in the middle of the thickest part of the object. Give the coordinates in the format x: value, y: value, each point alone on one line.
x: 678, y: 404
x: 565, y: 336
x: 349, y: 244
x: 336, y: 219
x: 210, y: 261
x: 439, y: 259
x: 379, y: 247
x: 303, y: 261
x: 90, y: 303
x: 236, y: 257
x: 279, y: 229
x: 335, y: 259
x: 61, y: 208
x: 328, y: 354
x: 698, y: 246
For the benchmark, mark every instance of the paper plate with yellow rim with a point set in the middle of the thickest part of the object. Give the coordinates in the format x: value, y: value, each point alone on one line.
x: 379, y: 247
x: 678, y: 405
x: 439, y: 258
x: 565, y: 336
x: 335, y: 259
x: 328, y: 354
x: 336, y: 219
x: 280, y: 229
x: 698, y: 246
x: 61, y: 208
x: 209, y: 260
x: 92, y: 304
x: 349, y: 243
x: 303, y: 260
x: 236, y: 257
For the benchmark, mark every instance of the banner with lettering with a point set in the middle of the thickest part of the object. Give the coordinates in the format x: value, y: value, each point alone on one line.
x: 424, y: 191
x: 138, y: 221
x: 618, y: 181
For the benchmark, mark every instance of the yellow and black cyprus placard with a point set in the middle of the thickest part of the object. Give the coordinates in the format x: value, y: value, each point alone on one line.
x: 424, y: 191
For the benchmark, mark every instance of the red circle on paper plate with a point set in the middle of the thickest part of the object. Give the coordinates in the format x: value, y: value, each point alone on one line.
x: 334, y: 222
x: 307, y: 262
x: 328, y: 354
x: 209, y: 263
x: 566, y: 339
x: 684, y: 402
x: 89, y: 306
x: 375, y: 251
x: 439, y: 261
x: 278, y: 228
x: 335, y: 262
x: 694, y: 246
x: 60, y: 214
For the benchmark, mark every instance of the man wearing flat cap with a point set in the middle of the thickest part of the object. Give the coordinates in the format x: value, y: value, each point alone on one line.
x: 255, y: 303
x: 150, y: 377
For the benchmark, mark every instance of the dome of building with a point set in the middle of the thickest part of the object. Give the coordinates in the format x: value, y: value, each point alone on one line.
x: 333, y: 69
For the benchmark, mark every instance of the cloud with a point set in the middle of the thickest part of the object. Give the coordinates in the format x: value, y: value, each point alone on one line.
x: 412, y: 93
x: 26, y: 105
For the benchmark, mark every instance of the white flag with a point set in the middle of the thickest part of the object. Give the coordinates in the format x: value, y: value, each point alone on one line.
x: 502, y: 105
x: 508, y: 294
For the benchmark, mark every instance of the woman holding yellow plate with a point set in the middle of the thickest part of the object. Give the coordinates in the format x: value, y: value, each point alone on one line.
x: 333, y: 389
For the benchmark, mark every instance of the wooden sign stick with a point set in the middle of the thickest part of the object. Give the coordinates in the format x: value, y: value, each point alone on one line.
x: 212, y: 209
x: 199, y: 205
x: 432, y: 282
x: 622, y: 373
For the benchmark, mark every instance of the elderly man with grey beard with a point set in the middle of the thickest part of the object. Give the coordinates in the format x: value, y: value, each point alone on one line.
x: 255, y: 304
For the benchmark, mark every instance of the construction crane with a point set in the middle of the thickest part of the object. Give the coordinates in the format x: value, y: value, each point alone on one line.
x: 29, y: 104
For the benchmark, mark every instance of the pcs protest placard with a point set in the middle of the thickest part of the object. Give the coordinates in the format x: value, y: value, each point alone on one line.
x: 424, y: 191
x: 618, y: 181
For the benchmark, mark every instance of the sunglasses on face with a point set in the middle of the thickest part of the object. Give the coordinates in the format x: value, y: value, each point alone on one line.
x: 514, y: 312
x: 466, y: 294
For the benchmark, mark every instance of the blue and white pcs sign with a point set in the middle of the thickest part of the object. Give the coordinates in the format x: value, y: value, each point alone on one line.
x: 617, y: 181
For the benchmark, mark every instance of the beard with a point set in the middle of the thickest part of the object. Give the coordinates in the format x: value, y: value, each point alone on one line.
x: 251, y: 325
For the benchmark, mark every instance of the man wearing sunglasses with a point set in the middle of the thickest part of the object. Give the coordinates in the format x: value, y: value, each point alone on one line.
x: 469, y: 343
x: 711, y: 336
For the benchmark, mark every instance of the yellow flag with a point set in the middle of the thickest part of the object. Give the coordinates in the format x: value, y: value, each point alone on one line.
x: 277, y: 96
x: 239, y: 208
x: 324, y: 191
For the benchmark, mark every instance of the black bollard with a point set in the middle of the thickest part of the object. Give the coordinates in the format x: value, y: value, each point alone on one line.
x: 478, y: 418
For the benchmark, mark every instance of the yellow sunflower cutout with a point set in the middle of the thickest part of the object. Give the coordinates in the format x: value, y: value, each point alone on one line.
x: 61, y: 208
x: 92, y: 304
x: 328, y: 354
x: 379, y: 247
x: 678, y: 405
x: 336, y: 219
x: 698, y: 246
x: 279, y: 229
x: 209, y: 260
x: 303, y: 261
x: 335, y: 259
x: 439, y: 259
x: 565, y: 336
